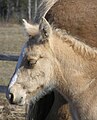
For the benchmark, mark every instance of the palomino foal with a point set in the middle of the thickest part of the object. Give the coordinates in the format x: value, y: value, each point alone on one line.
x: 54, y: 59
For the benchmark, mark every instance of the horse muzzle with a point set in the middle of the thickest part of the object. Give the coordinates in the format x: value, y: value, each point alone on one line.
x: 15, y: 95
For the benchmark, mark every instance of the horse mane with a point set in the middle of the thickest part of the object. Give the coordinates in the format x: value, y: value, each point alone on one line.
x: 43, y: 8
x: 78, y: 46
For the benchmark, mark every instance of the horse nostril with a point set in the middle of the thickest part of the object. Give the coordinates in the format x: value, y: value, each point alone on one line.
x: 11, y: 97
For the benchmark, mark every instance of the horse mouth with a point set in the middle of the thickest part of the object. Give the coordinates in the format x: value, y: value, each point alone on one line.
x: 41, y: 108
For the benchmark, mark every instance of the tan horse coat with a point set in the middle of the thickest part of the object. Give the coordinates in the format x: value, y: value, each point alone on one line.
x: 85, y: 52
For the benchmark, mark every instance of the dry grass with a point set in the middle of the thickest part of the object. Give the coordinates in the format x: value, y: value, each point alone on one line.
x: 11, y: 41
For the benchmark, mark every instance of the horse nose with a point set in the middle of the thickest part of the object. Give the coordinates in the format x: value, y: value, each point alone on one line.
x: 11, y: 98
x: 16, y: 97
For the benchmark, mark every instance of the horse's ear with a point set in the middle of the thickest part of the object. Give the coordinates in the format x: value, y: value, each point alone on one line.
x: 45, y: 29
x: 31, y: 29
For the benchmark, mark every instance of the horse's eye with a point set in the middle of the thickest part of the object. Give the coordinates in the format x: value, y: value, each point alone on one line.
x: 31, y: 63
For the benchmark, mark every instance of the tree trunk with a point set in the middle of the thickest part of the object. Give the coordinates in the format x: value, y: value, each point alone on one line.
x: 35, y: 7
x: 17, y: 3
x: 29, y: 10
x: 8, y: 11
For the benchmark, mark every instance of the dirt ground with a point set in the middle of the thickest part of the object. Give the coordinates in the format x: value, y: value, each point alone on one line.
x: 12, y: 38
x: 10, y: 112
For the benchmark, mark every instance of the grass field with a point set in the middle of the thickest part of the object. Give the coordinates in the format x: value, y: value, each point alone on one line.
x: 12, y: 38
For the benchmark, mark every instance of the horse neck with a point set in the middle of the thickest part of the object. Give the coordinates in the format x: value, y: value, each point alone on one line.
x: 74, y: 69
x: 76, y: 78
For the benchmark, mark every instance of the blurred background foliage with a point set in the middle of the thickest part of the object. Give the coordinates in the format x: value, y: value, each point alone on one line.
x: 14, y: 10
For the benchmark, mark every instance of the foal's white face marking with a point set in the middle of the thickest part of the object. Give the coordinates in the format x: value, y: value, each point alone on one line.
x: 21, y: 57
x: 14, y: 78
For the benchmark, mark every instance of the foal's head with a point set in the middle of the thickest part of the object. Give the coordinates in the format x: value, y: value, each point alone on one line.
x: 35, y: 70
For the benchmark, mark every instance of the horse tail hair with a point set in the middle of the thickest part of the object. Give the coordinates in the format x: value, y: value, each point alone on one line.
x: 43, y: 8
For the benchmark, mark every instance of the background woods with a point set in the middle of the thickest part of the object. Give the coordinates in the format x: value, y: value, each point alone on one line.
x: 15, y: 10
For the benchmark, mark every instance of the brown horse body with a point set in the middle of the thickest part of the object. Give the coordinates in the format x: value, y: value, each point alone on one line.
x: 77, y: 17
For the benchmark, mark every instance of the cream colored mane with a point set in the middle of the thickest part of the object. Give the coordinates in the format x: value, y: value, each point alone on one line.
x: 78, y: 46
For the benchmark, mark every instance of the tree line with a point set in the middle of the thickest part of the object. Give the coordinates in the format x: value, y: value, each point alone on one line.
x: 15, y: 10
